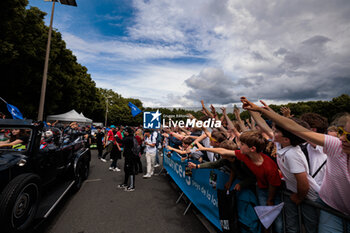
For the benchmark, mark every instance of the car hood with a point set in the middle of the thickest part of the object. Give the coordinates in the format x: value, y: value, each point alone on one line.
x: 9, y: 159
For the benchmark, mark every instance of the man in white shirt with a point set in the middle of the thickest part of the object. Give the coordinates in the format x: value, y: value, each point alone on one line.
x: 315, y: 156
x: 151, y: 149
x: 293, y: 165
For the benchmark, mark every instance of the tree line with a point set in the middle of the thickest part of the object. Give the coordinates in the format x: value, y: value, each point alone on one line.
x: 23, y: 40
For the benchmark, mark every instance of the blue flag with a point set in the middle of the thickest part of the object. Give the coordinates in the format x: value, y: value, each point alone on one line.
x: 16, y: 114
x: 134, y: 110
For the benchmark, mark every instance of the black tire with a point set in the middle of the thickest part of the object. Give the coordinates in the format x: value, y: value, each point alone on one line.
x: 79, y: 176
x: 19, y: 203
x: 87, y: 169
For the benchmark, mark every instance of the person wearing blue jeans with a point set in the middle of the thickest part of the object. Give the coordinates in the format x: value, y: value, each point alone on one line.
x: 263, y: 195
x: 331, y: 223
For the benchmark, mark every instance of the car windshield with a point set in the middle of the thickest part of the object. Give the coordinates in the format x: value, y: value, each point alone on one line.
x: 14, y: 138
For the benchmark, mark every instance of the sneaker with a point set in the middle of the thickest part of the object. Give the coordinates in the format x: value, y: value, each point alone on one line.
x: 116, y: 169
x: 122, y: 186
x: 146, y: 176
x: 152, y: 173
x: 103, y: 160
x: 130, y: 189
x: 111, y: 168
x: 157, y: 165
x: 111, y: 160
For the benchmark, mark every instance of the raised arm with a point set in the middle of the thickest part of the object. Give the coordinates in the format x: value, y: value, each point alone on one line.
x: 185, y: 131
x: 286, y: 123
x: 262, y: 123
x: 221, y: 151
x: 181, y: 152
x: 230, y: 125
x: 206, y: 111
x: 177, y: 136
x: 213, y: 111
x: 202, y: 137
x: 239, y: 120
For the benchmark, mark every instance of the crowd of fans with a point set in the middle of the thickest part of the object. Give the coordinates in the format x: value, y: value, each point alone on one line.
x: 304, y: 158
x: 301, y: 157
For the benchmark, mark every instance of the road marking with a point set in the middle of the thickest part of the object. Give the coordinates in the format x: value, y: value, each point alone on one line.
x: 94, y: 180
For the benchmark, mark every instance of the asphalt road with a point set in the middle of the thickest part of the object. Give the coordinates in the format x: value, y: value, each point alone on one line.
x: 100, y: 207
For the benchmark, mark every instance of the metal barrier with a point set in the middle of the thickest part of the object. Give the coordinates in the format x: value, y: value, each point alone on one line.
x: 319, y: 207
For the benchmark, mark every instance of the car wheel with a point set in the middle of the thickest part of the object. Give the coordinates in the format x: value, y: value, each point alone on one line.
x: 86, y: 169
x: 78, y: 176
x: 19, y: 202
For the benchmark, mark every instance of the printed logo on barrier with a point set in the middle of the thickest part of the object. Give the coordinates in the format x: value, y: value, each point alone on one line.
x: 151, y: 120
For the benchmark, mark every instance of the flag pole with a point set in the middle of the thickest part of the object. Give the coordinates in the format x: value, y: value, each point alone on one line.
x: 3, y: 100
x: 43, y: 86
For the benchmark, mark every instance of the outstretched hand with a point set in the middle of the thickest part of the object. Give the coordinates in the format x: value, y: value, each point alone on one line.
x: 212, y: 108
x: 199, y: 146
x: 286, y: 112
x: 236, y: 111
x: 247, y: 105
x: 191, y: 165
x: 223, y: 109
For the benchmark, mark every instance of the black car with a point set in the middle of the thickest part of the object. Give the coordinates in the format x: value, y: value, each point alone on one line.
x: 41, y: 159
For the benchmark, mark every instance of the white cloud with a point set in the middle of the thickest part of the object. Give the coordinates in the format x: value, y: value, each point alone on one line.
x: 270, y: 49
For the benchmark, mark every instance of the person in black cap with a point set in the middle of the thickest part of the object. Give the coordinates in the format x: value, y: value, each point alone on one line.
x: 129, y: 163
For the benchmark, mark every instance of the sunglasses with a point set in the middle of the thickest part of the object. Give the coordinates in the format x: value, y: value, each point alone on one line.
x: 212, y: 139
x: 341, y: 132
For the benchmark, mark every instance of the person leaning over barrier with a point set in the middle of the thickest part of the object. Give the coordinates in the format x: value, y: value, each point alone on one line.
x: 335, y: 188
x: 187, y: 151
x: 238, y: 169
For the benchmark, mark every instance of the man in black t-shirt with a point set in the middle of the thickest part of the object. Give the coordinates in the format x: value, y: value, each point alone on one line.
x: 129, y: 160
x: 99, y: 141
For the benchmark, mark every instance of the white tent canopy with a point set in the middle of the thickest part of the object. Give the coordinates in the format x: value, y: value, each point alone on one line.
x: 70, y: 116
x: 88, y: 119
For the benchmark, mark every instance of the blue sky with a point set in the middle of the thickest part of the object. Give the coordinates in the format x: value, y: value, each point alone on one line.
x: 175, y: 53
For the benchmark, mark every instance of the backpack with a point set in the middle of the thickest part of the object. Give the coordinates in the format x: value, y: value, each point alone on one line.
x: 159, y: 139
x: 136, y: 147
x: 303, y: 147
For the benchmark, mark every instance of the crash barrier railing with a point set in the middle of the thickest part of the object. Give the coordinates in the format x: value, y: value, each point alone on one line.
x: 200, y: 187
x: 318, y: 207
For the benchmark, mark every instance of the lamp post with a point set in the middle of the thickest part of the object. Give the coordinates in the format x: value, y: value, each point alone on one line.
x: 43, y: 85
x: 108, y: 97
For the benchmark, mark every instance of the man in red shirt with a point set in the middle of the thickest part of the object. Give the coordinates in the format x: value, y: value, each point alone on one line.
x: 111, y: 146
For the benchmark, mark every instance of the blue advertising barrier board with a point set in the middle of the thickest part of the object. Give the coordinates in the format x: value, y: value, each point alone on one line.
x: 200, y: 188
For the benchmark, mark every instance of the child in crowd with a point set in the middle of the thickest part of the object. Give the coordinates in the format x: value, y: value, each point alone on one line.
x: 263, y: 167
